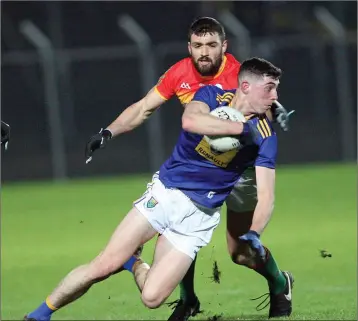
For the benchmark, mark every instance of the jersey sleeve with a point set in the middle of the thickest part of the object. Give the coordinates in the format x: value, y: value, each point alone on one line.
x: 267, y: 152
x: 165, y: 86
x: 207, y: 95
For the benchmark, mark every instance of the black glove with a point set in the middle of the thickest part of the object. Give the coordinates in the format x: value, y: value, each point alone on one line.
x: 281, y: 115
x: 5, y: 134
x: 97, y: 141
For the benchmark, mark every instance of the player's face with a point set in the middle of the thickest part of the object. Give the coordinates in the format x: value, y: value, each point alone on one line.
x: 262, y: 92
x: 207, y: 53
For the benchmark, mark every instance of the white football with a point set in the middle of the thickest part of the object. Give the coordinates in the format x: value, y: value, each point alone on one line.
x: 225, y: 143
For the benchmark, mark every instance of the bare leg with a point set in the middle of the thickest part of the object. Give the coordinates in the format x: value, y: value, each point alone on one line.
x: 133, y: 231
x: 238, y: 224
x: 168, y: 269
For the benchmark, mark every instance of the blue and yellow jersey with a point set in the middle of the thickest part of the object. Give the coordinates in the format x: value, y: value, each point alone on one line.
x: 205, y: 176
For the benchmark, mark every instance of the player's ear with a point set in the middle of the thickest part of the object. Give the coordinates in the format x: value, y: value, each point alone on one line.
x: 245, y: 87
x: 189, y: 48
x: 224, y: 45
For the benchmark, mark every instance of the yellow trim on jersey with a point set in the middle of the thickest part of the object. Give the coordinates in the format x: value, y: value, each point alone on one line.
x: 260, y: 130
x: 158, y: 92
x: 267, y: 127
x: 223, y: 64
x: 225, y: 101
x: 227, y: 97
x: 264, y: 128
x: 250, y: 116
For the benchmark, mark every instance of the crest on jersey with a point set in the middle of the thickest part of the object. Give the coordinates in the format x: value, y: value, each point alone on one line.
x: 225, y: 99
x: 151, y: 203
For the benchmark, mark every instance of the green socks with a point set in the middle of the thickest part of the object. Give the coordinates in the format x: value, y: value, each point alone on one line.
x: 270, y: 271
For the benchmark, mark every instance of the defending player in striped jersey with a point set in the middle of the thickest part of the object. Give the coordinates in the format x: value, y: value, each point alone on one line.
x: 208, y: 64
x: 183, y: 201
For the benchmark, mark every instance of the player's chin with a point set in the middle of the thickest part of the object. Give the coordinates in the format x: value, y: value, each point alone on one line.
x: 206, y: 70
x: 264, y: 109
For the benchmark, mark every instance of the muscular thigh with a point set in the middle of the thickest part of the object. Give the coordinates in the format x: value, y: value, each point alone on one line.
x: 186, y: 227
x: 240, y: 205
x: 237, y: 225
x: 168, y: 269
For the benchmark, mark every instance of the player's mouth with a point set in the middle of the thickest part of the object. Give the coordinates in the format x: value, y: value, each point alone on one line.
x: 205, y: 62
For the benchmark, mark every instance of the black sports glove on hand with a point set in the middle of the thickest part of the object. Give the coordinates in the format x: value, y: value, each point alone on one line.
x: 281, y: 115
x: 97, y: 141
x: 5, y: 134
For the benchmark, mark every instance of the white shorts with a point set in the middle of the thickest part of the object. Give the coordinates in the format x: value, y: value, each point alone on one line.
x: 188, y: 226
x: 243, y: 198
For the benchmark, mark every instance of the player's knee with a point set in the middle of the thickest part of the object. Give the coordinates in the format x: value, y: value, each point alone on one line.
x: 246, y: 260
x: 152, y: 298
x: 243, y: 257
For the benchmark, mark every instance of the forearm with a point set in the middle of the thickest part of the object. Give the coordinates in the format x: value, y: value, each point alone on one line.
x: 205, y: 124
x: 130, y: 118
x: 262, y: 215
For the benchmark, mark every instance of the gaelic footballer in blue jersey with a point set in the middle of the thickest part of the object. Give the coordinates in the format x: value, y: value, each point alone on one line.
x: 258, y: 82
x: 182, y: 203
x: 216, y: 174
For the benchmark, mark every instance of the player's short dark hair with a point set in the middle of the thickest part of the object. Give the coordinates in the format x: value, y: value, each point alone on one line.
x: 260, y: 67
x: 204, y: 25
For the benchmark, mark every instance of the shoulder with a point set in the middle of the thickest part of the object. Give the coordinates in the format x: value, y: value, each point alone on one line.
x: 222, y: 95
x: 213, y: 95
x: 215, y: 90
x: 180, y: 67
x: 174, y: 73
x: 232, y: 61
x: 264, y: 126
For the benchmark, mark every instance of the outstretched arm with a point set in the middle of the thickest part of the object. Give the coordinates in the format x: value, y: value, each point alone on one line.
x: 136, y: 114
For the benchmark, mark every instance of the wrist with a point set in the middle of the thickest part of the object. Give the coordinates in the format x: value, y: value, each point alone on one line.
x: 254, y: 233
x: 106, y: 133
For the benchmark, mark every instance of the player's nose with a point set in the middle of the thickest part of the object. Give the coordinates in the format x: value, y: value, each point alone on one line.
x: 274, y: 95
x: 204, y: 51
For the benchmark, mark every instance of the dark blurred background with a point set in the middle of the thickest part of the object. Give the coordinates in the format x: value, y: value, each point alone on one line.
x: 69, y: 68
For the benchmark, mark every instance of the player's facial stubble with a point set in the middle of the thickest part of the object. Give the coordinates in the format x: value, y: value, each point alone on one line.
x: 207, y: 66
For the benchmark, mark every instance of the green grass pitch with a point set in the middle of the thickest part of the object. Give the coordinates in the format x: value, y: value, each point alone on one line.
x: 48, y: 229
